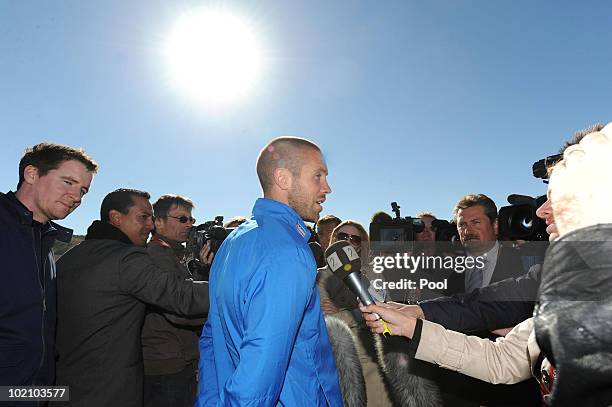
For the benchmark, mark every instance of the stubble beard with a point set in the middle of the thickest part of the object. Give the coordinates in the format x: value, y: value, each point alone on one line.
x: 299, y: 203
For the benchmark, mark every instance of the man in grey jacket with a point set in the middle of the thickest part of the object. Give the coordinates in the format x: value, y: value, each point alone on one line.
x: 103, y: 286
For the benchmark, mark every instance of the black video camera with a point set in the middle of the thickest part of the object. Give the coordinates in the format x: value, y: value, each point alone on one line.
x: 540, y: 167
x: 388, y: 235
x: 519, y: 221
x: 447, y: 236
x: 211, y: 231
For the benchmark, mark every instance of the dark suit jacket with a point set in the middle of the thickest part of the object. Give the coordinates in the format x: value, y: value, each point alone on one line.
x: 509, y: 265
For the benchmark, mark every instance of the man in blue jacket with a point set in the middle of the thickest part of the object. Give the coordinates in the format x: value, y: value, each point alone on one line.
x: 52, y: 181
x: 265, y: 342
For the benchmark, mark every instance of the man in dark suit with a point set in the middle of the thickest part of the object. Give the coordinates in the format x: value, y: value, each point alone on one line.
x: 476, y: 218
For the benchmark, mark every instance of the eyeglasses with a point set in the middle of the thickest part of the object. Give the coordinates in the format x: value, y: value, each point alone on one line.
x: 183, y: 219
x: 350, y: 238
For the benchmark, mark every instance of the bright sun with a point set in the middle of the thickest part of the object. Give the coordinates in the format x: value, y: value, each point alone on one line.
x: 213, y: 56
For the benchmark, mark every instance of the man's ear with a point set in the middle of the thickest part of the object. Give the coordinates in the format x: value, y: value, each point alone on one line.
x: 157, y: 222
x: 496, y: 227
x: 114, y: 217
x: 282, y: 178
x: 30, y: 174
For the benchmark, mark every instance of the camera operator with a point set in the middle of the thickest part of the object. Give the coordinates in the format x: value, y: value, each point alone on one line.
x: 427, y: 236
x: 170, y: 342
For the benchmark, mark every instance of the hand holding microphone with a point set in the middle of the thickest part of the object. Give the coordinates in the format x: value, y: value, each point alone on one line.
x: 381, y: 318
x: 345, y: 263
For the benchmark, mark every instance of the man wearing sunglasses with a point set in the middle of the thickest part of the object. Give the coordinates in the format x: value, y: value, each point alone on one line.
x: 170, y: 342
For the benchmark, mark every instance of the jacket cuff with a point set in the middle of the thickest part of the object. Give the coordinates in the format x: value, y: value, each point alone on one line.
x: 413, y: 345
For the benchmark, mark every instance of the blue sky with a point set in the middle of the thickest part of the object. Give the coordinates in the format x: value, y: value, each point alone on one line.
x: 418, y: 102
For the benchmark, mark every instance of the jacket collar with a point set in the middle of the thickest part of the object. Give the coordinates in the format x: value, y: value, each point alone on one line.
x: 25, y: 217
x: 103, y: 230
x: 269, y: 207
x: 177, y: 247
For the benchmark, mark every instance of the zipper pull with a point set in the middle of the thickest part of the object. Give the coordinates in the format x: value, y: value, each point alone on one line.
x: 44, y: 304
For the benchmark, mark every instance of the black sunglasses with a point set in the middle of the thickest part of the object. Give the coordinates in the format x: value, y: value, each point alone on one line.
x: 350, y: 238
x: 183, y: 219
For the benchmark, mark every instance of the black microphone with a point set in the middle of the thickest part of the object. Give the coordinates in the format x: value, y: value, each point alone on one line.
x: 345, y: 263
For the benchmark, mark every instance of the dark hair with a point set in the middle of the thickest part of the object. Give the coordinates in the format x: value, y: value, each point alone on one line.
x: 47, y: 156
x: 362, y: 232
x: 282, y: 152
x: 380, y: 216
x: 477, y: 199
x: 164, y: 203
x: 328, y: 219
x: 120, y: 200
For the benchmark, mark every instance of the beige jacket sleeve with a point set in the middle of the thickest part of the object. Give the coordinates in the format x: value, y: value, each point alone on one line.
x: 504, y: 360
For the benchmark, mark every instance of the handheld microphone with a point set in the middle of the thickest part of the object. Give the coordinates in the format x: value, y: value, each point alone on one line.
x: 345, y: 263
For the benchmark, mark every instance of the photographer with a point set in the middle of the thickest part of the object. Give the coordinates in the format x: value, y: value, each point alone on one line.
x: 170, y: 342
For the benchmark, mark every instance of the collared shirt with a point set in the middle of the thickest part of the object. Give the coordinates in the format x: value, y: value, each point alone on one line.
x: 265, y: 342
x: 490, y: 261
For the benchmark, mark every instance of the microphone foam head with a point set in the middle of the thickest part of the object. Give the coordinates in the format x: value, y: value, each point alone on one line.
x: 342, y: 259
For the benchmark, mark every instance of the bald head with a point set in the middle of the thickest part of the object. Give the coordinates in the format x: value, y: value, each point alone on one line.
x: 282, y: 152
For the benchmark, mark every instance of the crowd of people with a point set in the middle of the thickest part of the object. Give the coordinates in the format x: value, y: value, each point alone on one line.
x: 121, y: 319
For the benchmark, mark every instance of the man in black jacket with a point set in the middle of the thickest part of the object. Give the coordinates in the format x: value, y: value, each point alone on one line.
x: 52, y: 181
x: 103, y: 286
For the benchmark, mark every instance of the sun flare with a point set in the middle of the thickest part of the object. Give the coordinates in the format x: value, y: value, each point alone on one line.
x: 213, y: 56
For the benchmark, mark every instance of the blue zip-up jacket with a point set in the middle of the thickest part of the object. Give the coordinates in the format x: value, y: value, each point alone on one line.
x: 27, y: 295
x: 265, y: 342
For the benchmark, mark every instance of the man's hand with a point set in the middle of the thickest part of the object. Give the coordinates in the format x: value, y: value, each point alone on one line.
x: 328, y: 306
x: 413, y: 311
x: 581, y: 184
x: 206, y: 256
x: 397, y: 322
